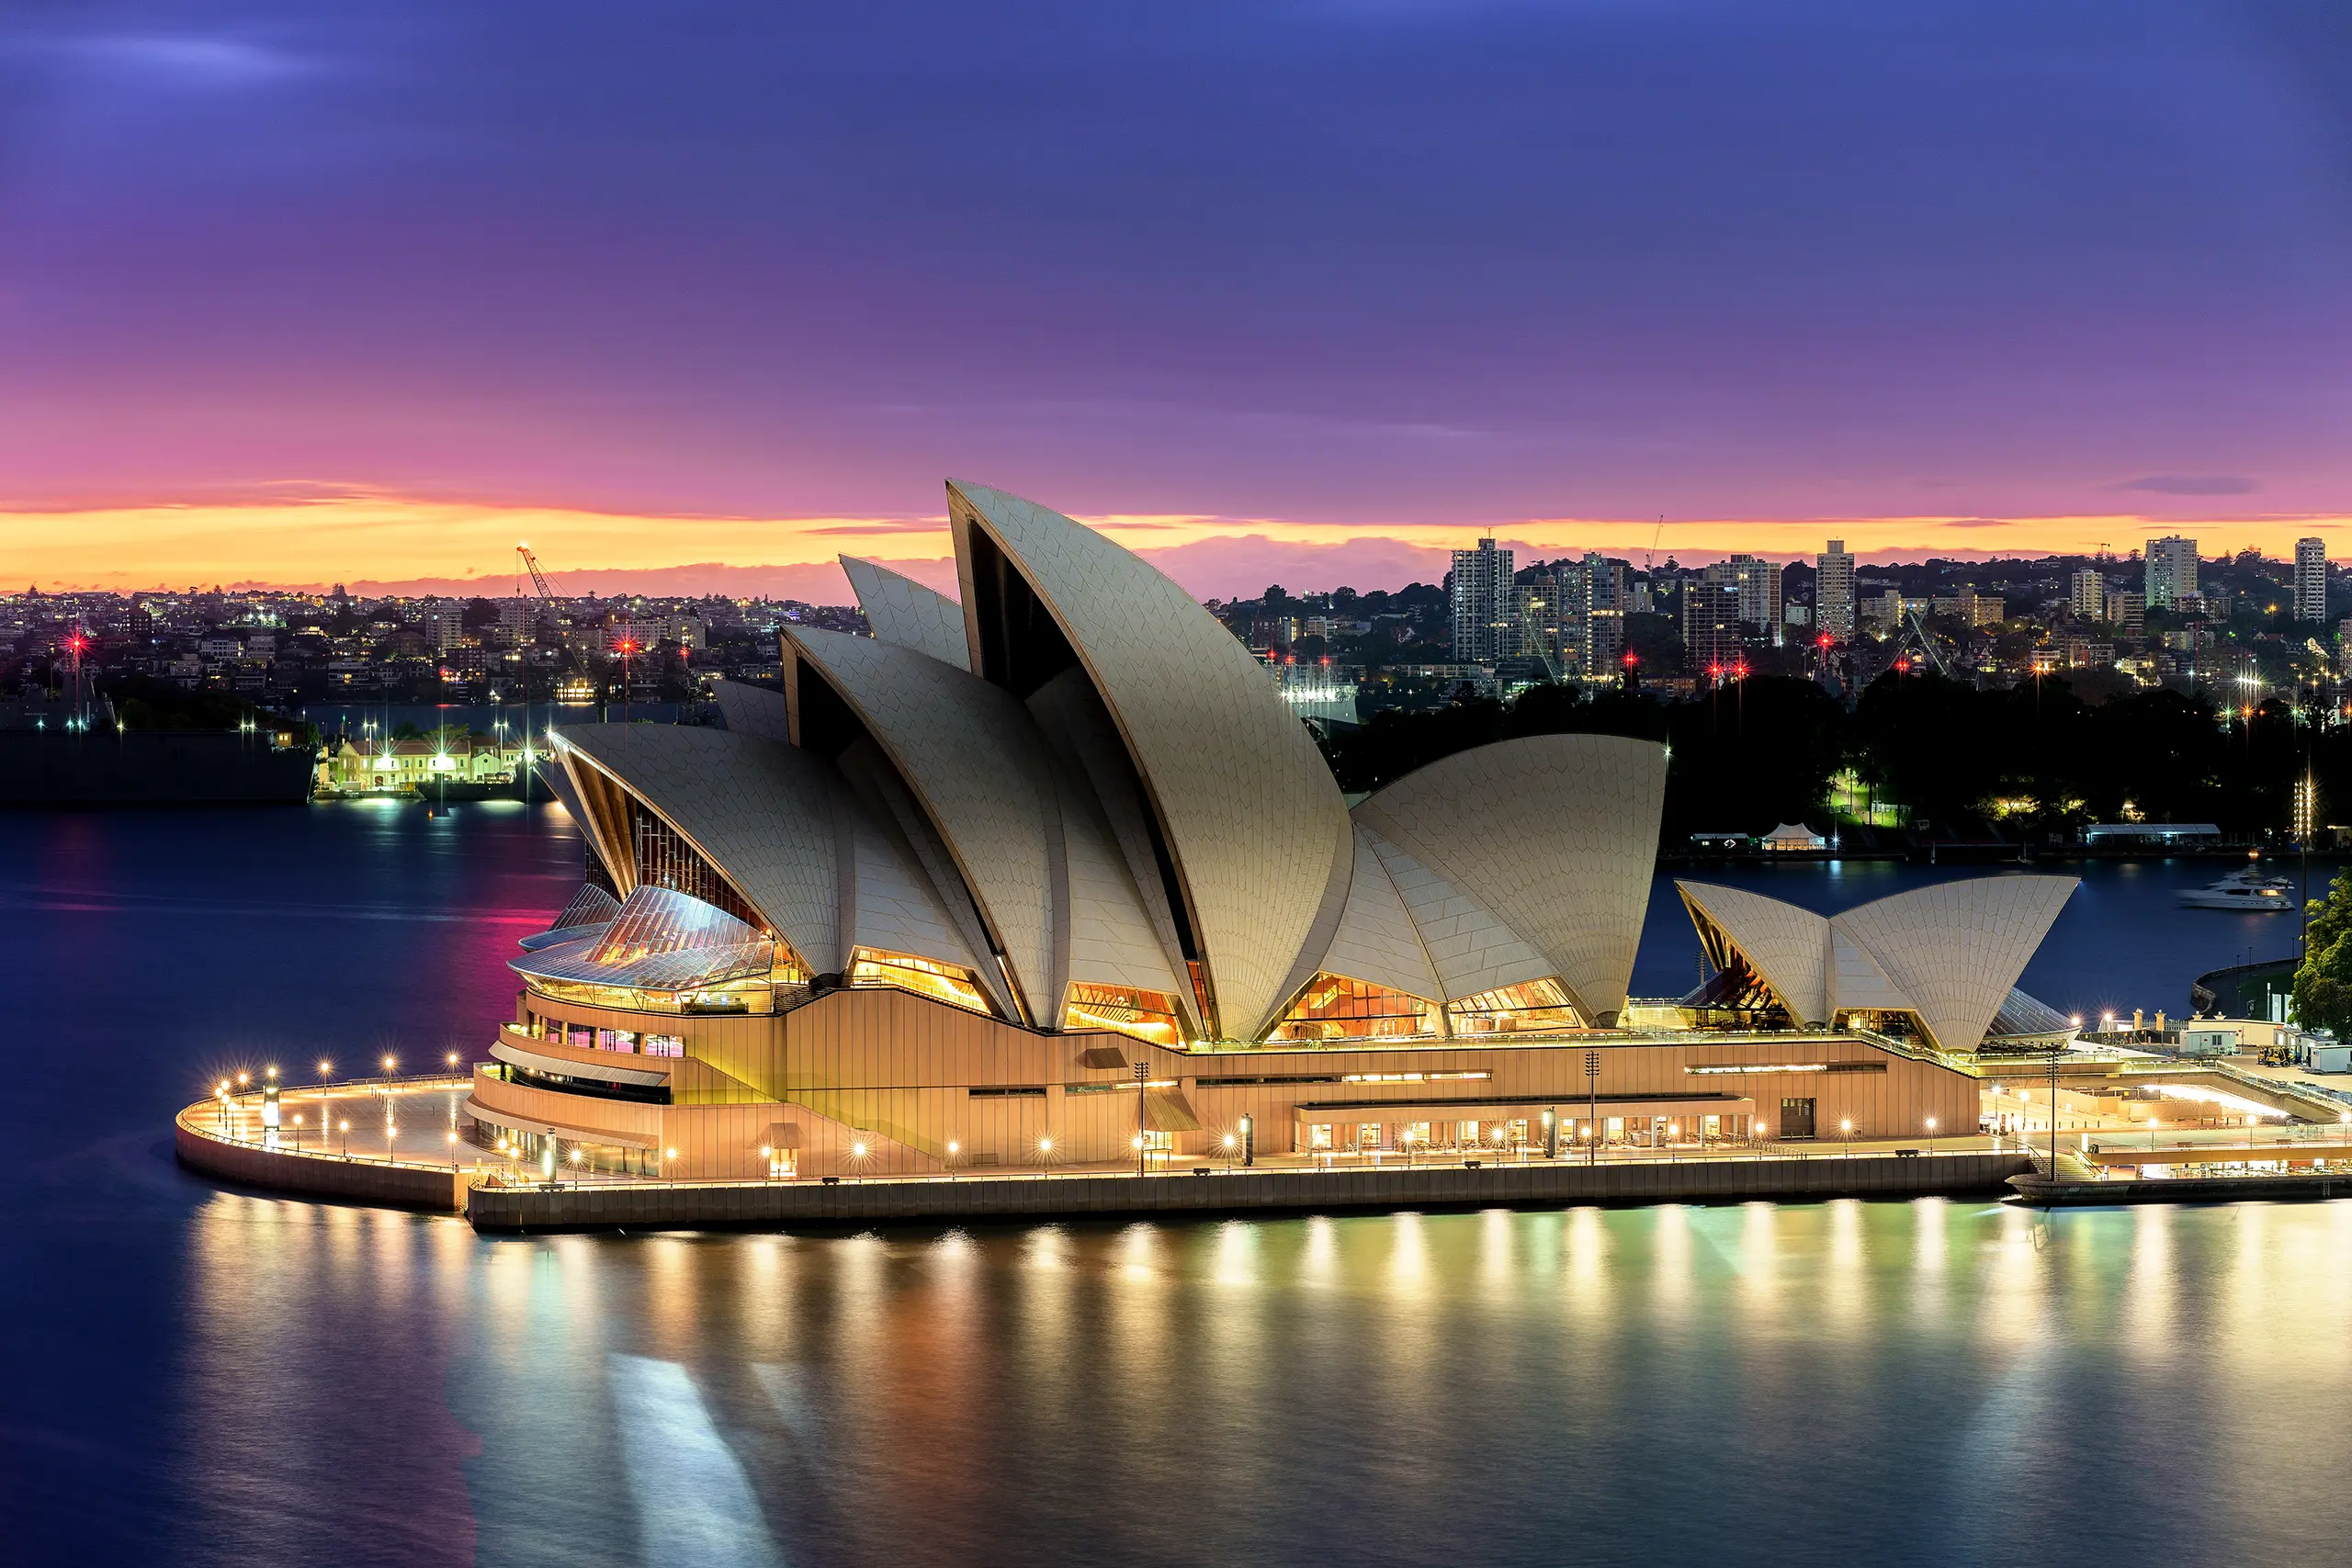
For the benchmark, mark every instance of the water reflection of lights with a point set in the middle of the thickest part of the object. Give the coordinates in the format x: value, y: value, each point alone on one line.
x: 694, y: 1502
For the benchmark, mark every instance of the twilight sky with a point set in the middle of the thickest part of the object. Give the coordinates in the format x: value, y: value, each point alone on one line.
x: 1301, y: 290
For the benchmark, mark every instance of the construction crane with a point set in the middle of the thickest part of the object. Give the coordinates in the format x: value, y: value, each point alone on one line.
x: 530, y: 563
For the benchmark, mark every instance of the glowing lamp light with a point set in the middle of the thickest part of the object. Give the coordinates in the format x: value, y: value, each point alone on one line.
x: 952, y: 1146
x: 1045, y: 1146
x: 857, y: 1151
x: 669, y: 1154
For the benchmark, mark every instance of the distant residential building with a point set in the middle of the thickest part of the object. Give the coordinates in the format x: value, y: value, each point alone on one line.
x: 1757, y: 583
x: 2170, y: 568
x: 1883, y: 611
x: 1609, y: 590
x: 1971, y: 608
x: 1536, y: 631
x: 2311, y: 581
x: 2087, y: 594
x: 2129, y: 612
x: 443, y: 622
x: 1572, y: 594
x: 1833, y: 591
x: 1484, y: 605
x: 1709, y: 626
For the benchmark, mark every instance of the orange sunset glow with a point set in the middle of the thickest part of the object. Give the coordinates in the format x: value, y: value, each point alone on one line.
x: 391, y: 543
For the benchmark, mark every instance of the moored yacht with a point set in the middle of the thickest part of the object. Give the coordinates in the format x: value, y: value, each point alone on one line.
x: 2247, y: 891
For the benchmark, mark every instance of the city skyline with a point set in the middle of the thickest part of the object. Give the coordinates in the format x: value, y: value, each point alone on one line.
x: 365, y: 542
x: 1320, y: 291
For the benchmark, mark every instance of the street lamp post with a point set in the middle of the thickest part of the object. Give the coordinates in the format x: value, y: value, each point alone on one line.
x: 1143, y: 1076
x: 1931, y: 1134
x: 1592, y: 1094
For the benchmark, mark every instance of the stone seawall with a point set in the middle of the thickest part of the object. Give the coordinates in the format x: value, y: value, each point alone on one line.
x: 706, y: 1205
x: 2279, y: 1187
x: 438, y: 1189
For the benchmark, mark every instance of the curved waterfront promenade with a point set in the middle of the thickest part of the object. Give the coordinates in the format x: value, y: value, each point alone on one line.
x: 222, y: 1137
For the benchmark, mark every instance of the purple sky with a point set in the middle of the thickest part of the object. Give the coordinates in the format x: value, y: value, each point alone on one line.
x: 1367, y: 264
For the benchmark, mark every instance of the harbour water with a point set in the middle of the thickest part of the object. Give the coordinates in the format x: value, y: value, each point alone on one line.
x: 202, y: 1377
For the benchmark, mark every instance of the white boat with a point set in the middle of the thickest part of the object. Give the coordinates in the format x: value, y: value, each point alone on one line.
x: 2249, y: 892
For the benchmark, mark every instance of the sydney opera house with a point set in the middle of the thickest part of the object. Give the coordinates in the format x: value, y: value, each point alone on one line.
x: 1054, y: 876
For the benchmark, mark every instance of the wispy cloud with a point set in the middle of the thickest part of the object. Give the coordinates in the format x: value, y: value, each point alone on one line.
x: 1976, y: 523
x: 2191, y: 484
x: 187, y: 60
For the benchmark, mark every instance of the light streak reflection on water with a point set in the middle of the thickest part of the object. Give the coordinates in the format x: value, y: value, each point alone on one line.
x: 1784, y: 1382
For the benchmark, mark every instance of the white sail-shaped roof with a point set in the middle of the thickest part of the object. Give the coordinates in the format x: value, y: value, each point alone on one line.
x: 761, y: 813
x: 1377, y: 940
x: 1253, y: 823
x: 1556, y: 834
x: 903, y: 611
x: 754, y: 710
x: 1787, y: 946
x: 1103, y: 926
x: 974, y: 759
x: 891, y: 905
x: 1857, y: 983
x: 1956, y: 949
x: 1469, y: 946
x: 1948, y: 954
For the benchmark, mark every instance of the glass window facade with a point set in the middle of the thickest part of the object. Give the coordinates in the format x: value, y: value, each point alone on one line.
x: 1535, y: 1005
x: 949, y: 983
x: 1145, y: 1015
x: 1335, y: 1007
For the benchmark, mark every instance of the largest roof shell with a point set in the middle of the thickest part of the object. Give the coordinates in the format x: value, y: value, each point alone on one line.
x: 1255, y: 827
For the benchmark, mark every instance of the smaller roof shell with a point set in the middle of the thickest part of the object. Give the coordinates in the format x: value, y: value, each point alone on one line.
x: 903, y: 611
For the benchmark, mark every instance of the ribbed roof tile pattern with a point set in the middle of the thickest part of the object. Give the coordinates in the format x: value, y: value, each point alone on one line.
x: 1377, y: 940
x: 974, y: 758
x: 1110, y: 937
x: 1470, y: 948
x: 1950, y: 954
x: 1956, y: 948
x: 761, y: 812
x: 755, y: 710
x: 903, y: 611
x: 1252, y: 818
x: 1787, y: 945
x: 893, y: 906
x: 1556, y: 834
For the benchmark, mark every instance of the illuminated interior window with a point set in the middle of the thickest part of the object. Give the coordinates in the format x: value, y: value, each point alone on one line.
x: 1534, y: 1005
x: 949, y: 983
x: 1147, y: 1015
x: 1334, y: 1007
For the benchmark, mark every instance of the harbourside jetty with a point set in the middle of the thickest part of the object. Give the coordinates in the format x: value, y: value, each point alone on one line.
x: 495, y: 1201
x: 2259, y: 1187
x: 1212, y: 1192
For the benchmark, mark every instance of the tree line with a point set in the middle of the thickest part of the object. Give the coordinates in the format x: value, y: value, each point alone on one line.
x: 2032, y: 763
